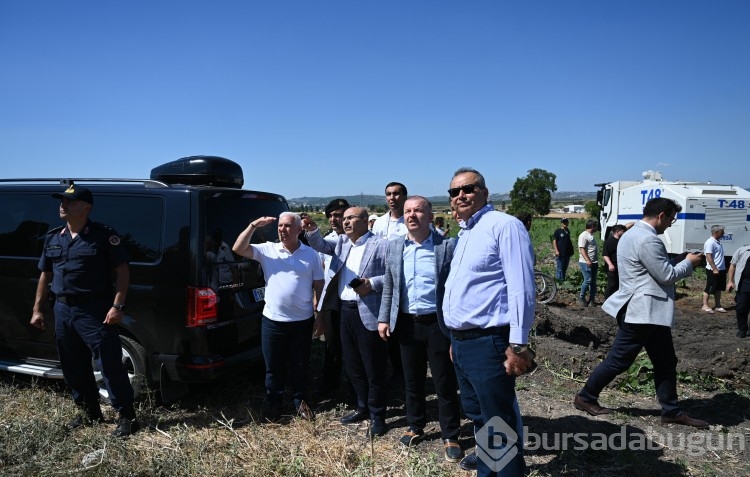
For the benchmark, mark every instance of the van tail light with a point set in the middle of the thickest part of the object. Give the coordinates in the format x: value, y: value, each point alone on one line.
x: 202, y: 308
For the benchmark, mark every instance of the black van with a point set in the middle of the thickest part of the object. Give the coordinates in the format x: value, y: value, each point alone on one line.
x: 193, y: 308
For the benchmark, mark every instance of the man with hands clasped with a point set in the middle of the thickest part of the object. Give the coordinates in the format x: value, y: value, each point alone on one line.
x: 413, y: 288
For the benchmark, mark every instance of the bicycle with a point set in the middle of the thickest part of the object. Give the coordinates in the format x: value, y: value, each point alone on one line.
x: 546, y: 287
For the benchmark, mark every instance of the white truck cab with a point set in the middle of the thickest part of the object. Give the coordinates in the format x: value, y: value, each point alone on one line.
x: 703, y: 204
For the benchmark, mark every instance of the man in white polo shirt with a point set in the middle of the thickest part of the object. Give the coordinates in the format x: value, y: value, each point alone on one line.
x: 294, y: 282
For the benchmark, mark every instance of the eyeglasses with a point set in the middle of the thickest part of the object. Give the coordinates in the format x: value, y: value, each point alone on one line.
x: 672, y: 218
x: 466, y: 189
x: 353, y: 217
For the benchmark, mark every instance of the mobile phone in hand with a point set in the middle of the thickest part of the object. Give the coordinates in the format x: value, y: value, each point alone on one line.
x: 356, y: 282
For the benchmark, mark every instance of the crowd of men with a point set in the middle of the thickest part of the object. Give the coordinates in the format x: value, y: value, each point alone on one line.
x: 398, y: 293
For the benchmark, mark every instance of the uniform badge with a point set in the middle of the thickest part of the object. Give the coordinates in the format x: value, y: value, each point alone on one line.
x: 114, y: 240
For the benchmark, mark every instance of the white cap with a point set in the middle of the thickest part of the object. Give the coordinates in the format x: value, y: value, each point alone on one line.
x: 372, y: 217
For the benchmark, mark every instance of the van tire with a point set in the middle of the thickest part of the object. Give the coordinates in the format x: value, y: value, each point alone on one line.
x: 134, y: 360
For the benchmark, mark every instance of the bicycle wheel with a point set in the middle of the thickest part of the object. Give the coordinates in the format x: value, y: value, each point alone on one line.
x: 546, y: 287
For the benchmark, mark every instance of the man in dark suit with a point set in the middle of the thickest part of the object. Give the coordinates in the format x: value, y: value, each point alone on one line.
x: 413, y: 287
x: 354, y: 287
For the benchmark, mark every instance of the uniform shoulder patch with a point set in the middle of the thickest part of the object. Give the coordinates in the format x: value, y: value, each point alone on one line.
x: 114, y: 240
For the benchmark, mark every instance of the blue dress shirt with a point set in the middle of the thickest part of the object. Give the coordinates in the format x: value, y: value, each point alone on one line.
x: 491, y: 281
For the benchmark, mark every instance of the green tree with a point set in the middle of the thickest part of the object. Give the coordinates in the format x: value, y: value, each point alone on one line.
x: 533, y: 193
x: 592, y: 209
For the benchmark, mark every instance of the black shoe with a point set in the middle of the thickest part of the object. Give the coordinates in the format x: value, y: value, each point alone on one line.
x: 412, y: 437
x: 469, y: 463
x: 582, y: 301
x: 453, y: 451
x: 377, y: 429
x: 592, y: 408
x: 305, y: 412
x: 742, y: 334
x: 126, y: 427
x: 356, y: 416
x: 83, y: 420
x: 271, y: 412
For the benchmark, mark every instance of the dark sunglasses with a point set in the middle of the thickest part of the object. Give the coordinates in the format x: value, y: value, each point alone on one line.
x: 466, y: 189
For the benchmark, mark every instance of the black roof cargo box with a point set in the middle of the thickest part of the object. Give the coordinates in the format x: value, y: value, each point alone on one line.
x: 200, y: 170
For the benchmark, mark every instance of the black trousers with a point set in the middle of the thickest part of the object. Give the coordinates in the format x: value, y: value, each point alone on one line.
x: 743, y: 309
x: 333, y: 357
x: 613, y: 283
x: 422, y: 343
x: 629, y: 341
x: 365, y: 358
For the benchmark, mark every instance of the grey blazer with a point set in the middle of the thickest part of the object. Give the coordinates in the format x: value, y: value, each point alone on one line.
x: 647, y: 278
x: 394, y: 277
x: 372, y: 267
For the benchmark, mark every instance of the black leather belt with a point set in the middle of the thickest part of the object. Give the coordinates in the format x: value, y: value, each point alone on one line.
x: 349, y: 303
x: 474, y: 333
x: 76, y: 300
x: 426, y: 318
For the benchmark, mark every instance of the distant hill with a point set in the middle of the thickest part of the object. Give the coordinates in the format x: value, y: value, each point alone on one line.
x: 367, y: 200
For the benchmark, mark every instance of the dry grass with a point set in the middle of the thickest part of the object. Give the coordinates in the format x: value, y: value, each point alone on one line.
x: 217, y: 432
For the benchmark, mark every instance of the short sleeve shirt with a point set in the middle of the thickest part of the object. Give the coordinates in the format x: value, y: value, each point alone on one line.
x: 82, y: 265
x: 289, y: 280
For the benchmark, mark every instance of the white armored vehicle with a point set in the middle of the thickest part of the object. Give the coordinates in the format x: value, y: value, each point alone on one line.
x: 703, y: 205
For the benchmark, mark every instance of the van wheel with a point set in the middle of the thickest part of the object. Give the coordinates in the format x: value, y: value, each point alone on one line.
x: 134, y: 361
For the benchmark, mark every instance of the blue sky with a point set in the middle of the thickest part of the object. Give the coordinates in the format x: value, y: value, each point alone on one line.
x: 322, y: 98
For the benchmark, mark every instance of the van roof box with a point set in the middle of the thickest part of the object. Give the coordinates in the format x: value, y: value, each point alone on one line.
x: 200, y: 170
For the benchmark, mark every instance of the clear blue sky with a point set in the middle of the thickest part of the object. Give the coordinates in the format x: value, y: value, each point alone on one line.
x: 334, y: 97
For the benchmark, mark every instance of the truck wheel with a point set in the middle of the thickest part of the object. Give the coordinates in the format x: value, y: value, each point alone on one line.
x: 134, y: 361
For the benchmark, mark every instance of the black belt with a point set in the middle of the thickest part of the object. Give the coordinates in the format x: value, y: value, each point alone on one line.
x: 462, y: 335
x: 76, y: 300
x: 349, y: 303
x: 426, y: 318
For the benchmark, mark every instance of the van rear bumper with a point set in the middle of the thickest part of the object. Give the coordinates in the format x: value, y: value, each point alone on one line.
x: 201, y: 369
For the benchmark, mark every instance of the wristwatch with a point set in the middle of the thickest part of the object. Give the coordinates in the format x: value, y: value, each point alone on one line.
x: 517, y: 348
x: 119, y: 307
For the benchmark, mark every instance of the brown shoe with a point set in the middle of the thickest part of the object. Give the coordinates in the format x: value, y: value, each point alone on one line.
x: 685, y: 420
x: 305, y: 412
x: 592, y: 408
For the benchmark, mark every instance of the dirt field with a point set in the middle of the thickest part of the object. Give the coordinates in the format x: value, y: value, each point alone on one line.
x: 714, y: 367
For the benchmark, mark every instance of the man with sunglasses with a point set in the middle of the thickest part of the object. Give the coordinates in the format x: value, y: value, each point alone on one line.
x: 644, y: 308
x: 488, y: 307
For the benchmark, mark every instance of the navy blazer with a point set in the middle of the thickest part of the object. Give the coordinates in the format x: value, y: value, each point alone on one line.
x: 371, y: 267
x: 394, y: 277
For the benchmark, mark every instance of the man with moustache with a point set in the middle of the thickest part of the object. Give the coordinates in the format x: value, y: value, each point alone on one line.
x: 355, y: 285
x: 294, y: 281
x: 334, y: 212
x: 413, y: 287
x: 488, y: 307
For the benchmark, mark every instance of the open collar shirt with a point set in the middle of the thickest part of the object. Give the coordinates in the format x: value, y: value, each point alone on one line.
x: 418, y: 291
x: 491, y: 281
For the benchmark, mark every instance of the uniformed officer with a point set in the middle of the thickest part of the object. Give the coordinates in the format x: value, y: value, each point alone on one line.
x: 78, y: 260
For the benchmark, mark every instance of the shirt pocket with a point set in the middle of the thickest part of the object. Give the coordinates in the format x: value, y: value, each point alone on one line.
x: 53, y: 254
